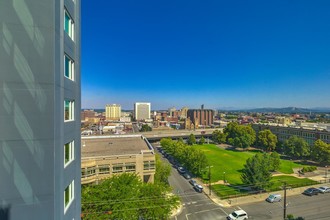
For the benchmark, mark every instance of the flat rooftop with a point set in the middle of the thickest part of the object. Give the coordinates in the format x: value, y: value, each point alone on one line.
x: 110, y: 146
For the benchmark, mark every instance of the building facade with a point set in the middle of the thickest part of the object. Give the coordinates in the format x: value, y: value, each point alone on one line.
x: 142, y: 110
x: 284, y: 132
x: 200, y: 117
x: 40, y: 110
x: 103, y: 157
x: 112, y: 112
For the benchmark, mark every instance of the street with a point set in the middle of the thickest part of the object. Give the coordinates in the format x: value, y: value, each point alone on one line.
x: 195, y: 205
x: 309, y: 207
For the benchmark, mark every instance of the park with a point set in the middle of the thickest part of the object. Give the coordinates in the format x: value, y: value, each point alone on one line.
x: 226, y: 164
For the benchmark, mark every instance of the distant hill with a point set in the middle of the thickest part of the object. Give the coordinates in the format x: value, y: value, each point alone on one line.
x: 285, y: 110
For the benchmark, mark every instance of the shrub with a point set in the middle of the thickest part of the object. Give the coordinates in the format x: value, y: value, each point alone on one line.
x: 308, y: 169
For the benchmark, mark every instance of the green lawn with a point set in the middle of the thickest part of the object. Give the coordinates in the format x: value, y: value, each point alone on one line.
x: 232, y: 162
x: 225, y: 191
x: 277, y: 182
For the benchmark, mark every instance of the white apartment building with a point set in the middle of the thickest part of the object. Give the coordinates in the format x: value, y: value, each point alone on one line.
x: 142, y: 110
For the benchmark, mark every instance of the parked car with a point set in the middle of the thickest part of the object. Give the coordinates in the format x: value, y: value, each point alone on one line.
x: 274, y: 198
x: 181, y: 170
x: 311, y: 191
x: 324, y: 189
x: 192, y: 182
x: 238, y: 215
x: 198, y: 188
x: 187, y: 176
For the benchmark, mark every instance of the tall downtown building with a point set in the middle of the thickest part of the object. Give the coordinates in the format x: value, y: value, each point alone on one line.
x: 40, y: 109
x: 142, y: 110
x: 112, y: 112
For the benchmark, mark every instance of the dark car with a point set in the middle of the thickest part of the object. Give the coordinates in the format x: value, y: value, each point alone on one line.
x: 187, y: 176
x: 192, y: 182
x: 181, y: 170
x: 311, y: 191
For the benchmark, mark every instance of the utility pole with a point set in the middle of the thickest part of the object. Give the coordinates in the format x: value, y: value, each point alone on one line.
x: 284, y: 206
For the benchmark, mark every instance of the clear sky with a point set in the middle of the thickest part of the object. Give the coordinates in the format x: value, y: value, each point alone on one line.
x: 220, y: 53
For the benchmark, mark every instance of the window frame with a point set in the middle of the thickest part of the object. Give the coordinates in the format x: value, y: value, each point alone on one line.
x: 70, y: 155
x: 70, y: 110
x: 70, y: 31
x: 69, y: 191
x: 70, y: 67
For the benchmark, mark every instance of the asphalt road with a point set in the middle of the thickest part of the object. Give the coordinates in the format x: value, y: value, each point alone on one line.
x: 308, y: 207
x: 195, y: 205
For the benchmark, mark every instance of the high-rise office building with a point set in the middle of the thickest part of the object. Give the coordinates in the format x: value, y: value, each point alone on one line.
x: 112, y: 112
x: 142, y: 110
x: 200, y: 117
x: 40, y: 164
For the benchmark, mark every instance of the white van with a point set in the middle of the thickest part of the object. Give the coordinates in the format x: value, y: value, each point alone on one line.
x: 274, y: 198
x: 238, y: 215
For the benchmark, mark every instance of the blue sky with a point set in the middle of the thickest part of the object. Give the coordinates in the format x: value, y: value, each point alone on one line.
x: 219, y: 53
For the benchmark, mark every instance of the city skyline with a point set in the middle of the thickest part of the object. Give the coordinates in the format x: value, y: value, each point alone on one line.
x: 221, y: 54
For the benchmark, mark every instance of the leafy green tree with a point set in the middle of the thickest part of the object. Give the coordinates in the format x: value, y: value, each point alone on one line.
x: 163, y: 171
x: 145, y: 127
x: 202, y: 140
x: 219, y: 137
x: 256, y: 171
x: 321, y: 152
x: 125, y: 196
x: 267, y: 140
x: 242, y: 136
x: 296, y: 147
x: 192, y: 158
x: 274, y: 161
x: 191, y: 140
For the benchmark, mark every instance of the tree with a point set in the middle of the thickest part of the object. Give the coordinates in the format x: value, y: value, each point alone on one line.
x: 145, y: 127
x: 256, y: 171
x: 274, y: 161
x: 267, y: 140
x: 296, y: 147
x: 202, y: 140
x: 321, y: 152
x: 125, y: 196
x: 219, y: 137
x: 163, y: 171
x: 242, y: 136
x: 191, y: 140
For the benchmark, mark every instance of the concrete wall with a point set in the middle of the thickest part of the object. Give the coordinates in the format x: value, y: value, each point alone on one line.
x: 32, y: 92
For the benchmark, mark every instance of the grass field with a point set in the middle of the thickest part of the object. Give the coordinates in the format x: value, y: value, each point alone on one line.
x: 229, y: 163
x: 225, y: 191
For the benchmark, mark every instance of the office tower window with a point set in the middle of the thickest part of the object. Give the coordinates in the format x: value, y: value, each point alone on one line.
x: 68, y: 25
x: 68, y: 153
x: 68, y: 110
x: 68, y: 67
x: 68, y: 195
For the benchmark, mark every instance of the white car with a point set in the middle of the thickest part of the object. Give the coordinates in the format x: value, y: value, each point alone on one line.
x: 324, y: 189
x: 238, y: 215
x: 198, y: 188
